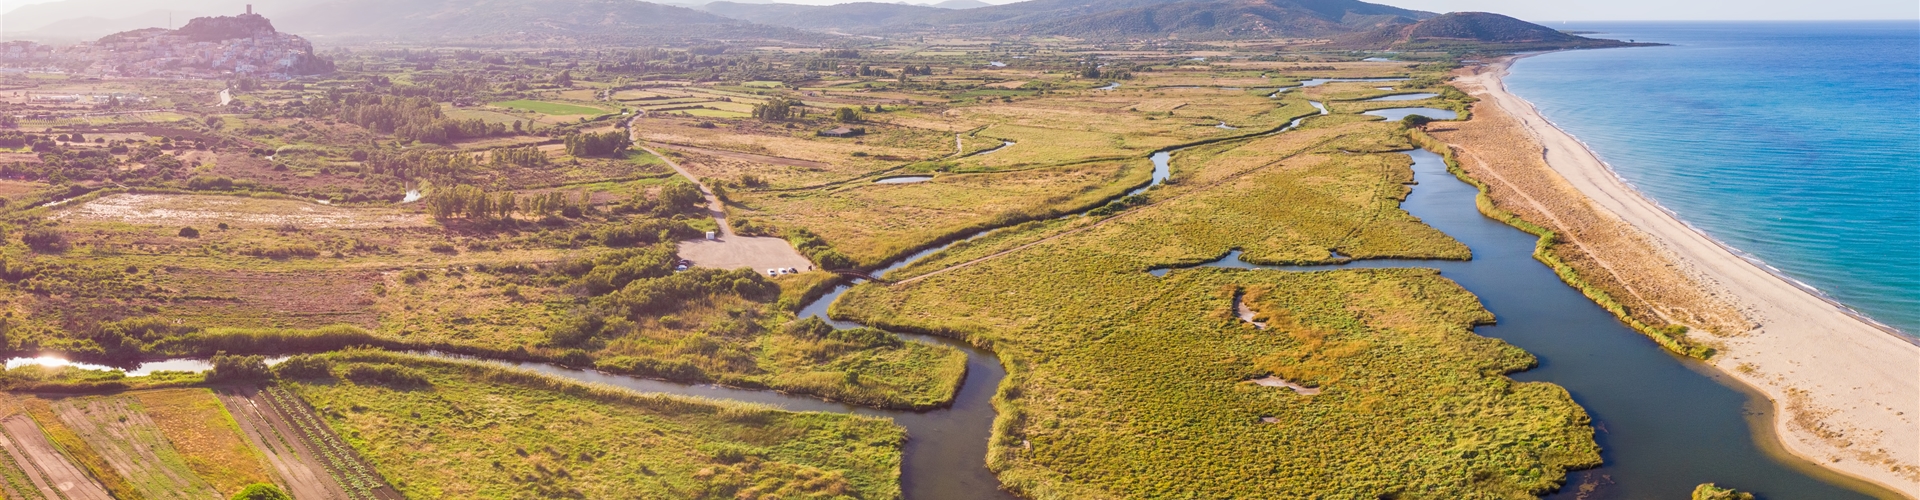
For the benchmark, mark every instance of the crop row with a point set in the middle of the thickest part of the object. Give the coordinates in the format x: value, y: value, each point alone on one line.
x: 346, y: 468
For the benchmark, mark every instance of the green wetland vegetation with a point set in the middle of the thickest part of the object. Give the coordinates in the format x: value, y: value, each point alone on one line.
x: 387, y: 209
x: 451, y: 429
x: 1123, y: 384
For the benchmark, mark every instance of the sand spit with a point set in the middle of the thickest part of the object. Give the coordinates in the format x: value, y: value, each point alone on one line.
x: 1845, y: 391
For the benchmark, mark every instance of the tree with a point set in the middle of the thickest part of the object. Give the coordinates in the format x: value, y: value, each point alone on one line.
x: 681, y: 198
x: 238, y: 367
x: 564, y: 79
x: 846, y: 115
x: 600, y: 144
x: 261, y: 491
x: 776, y: 109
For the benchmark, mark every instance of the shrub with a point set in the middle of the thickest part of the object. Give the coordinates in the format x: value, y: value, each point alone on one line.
x: 45, y: 240
x: 282, y: 251
x: 1709, y: 491
x: 189, y: 232
x: 674, y: 369
x: 304, y: 367
x: 238, y: 367
x: 412, y: 276
x: 209, y: 183
x: 574, y: 330
x: 387, y: 375
x: 261, y: 491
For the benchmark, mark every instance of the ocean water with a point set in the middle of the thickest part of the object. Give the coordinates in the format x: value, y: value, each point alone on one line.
x: 1797, y: 143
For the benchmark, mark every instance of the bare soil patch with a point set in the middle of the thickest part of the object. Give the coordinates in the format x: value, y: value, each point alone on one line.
x: 276, y: 299
x: 208, y: 210
x: 759, y: 254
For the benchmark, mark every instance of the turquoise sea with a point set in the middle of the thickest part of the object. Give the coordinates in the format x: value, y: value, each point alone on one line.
x: 1797, y: 143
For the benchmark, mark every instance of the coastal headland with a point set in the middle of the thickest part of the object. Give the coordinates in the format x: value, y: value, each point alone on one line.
x: 1845, y: 391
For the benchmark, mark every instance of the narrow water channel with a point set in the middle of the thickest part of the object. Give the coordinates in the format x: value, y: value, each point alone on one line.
x: 1664, y: 423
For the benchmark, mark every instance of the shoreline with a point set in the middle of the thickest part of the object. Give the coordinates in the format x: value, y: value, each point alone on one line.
x: 1845, y: 389
x: 1504, y: 64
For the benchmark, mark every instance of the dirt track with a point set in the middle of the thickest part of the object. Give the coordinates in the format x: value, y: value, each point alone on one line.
x: 731, y: 251
x: 55, y: 476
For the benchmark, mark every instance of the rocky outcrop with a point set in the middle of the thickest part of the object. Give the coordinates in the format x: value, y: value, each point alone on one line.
x: 207, y: 47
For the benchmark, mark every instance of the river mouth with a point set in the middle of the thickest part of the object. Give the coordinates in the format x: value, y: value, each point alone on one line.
x: 1664, y: 423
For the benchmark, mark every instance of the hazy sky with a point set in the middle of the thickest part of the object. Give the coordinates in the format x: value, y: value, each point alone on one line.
x: 1544, y: 11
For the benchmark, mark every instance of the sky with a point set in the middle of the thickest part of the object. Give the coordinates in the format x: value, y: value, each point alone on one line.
x: 1545, y: 11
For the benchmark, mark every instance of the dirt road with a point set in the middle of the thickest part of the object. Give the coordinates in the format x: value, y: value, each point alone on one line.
x: 728, y: 250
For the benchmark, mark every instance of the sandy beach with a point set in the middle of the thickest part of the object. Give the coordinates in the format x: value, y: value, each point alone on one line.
x: 1845, y: 391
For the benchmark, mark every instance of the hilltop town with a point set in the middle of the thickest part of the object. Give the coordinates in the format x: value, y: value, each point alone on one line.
x: 207, y: 47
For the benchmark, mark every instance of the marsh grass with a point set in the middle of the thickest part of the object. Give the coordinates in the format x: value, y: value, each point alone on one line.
x: 480, y: 430
x: 1126, y: 385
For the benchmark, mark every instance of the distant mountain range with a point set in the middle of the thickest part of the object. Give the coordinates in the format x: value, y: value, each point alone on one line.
x: 1348, y: 23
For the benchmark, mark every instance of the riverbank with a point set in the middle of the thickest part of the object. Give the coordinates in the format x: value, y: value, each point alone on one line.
x: 1845, y: 391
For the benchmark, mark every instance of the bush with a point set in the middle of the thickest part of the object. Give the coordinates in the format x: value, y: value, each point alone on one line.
x: 207, y: 183
x: 304, y: 367
x: 819, y: 251
x: 45, y: 240
x: 1709, y: 491
x: 574, y: 330
x: 238, y: 367
x: 189, y: 232
x: 387, y: 375
x: 282, y: 251
x: 675, y: 369
x: 261, y: 491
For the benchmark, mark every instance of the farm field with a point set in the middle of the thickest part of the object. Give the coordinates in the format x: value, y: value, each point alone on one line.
x: 550, y: 108
x: 305, y: 455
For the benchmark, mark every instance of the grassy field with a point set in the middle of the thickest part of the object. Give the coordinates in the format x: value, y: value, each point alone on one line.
x: 1409, y: 401
x: 874, y: 222
x: 550, y: 108
x: 462, y: 430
